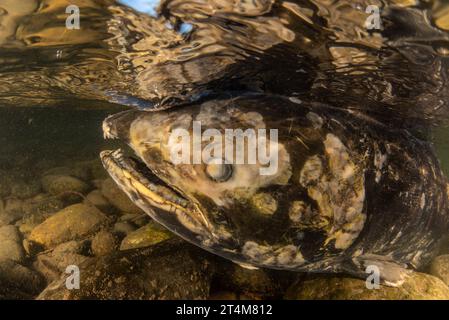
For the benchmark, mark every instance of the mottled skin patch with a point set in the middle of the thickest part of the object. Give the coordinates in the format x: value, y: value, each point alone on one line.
x: 264, y: 203
x: 348, y: 191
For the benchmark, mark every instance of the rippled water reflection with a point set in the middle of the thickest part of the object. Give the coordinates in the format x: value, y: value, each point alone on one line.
x: 312, y: 49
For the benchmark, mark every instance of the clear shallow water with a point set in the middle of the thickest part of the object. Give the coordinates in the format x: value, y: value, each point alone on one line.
x: 57, y: 85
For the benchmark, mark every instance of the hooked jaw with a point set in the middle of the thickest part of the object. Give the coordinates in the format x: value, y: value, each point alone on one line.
x: 131, y: 175
x: 166, y: 204
x: 154, y: 197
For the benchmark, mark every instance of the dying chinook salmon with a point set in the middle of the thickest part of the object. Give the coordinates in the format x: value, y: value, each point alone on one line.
x: 349, y: 191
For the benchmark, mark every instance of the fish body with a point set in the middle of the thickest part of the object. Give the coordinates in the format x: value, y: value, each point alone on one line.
x: 326, y: 190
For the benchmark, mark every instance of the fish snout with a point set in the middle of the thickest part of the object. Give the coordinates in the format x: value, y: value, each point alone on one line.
x: 117, y: 126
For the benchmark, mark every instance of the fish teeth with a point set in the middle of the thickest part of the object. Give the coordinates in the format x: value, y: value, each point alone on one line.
x: 117, y: 153
x: 107, y: 130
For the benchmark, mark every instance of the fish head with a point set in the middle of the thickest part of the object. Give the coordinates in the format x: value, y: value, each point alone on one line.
x: 225, y: 175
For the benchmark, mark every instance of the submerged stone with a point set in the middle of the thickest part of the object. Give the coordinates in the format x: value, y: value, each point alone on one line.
x: 141, y: 274
x: 11, y: 244
x: 25, y: 189
x: 18, y: 282
x: 146, y: 236
x: 118, y: 198
x: 71, y: 223
x: 96, y: 198
x: 123, y: 228
x: 103, y: 243
x: 11, y: 210
x: 53, y: 264
x: 418, y: 286
x: 60, y: 185
x: 263, y: 282
x: 440, y: 268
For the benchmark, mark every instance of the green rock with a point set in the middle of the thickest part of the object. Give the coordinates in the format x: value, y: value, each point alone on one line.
x: 11, y: 244
x: 144, y: 237
x: 418, y: 286
x: 97, y: 199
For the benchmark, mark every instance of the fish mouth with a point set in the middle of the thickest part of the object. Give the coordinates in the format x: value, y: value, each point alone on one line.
x: 164, y: 204
x: 133, y: 176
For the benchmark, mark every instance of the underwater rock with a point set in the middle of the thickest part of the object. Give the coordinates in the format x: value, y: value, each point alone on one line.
x: 145, y: 236
x: 44, y: 205
x: 103, y: 243
x: 148, y: 273
x: 82, y: 171
x: 97, y: 170
x: 118, y: 198
x: 123, y: 228
x: 11, y: 244
x: 18, y: 282
x: 71, y: 223
x: 59, y: 185
x: 97, y: 183
x: 30, y: 221
x: 78, y: 171
x: 25, y: 189
x: 136, y: 219
x: 264, y: 282
x: 440, y: 268
x: 36, y: 210
x: 96, y: 198
x: 30, y: 248
x: 419, y: 286
x: 54, y: 263
x: 11, y: 210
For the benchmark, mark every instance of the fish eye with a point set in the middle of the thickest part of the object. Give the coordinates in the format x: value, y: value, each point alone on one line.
x: 219, y: 172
